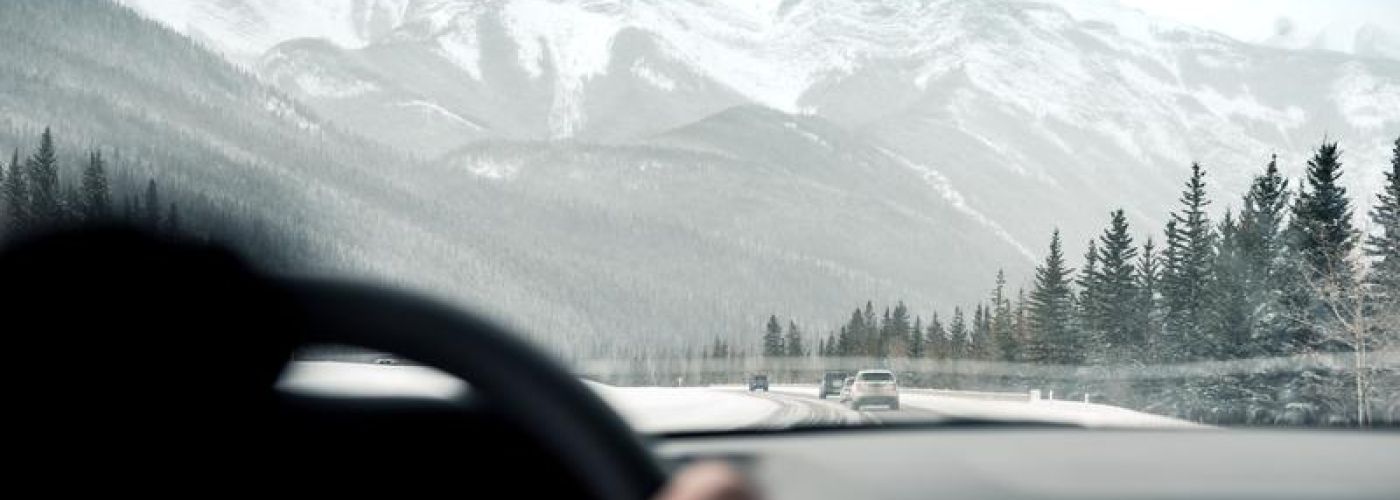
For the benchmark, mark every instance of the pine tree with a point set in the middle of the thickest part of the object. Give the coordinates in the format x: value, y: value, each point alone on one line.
x: 974, y: 333
x: 1051, y: 311
x: 172, y: 219
x: 1384, y: 244
x: 1268, y: 269
x: 1003, y: 324
x: 851, y: 342
x: 937, y: 339
x: 957, y: 335
x: 898, y: 331
x: 916, y: 339
x: 1087, y: 317
x: 96, y: 193
x: 1116, y: 292
x: 1186, y: 274
x: 793, y: 342
x: 16, y: 195
x: 1229, y: 299
x: 1021, y: 326
x: 870, y: 332
x: 42, y: 173
x: 880, y: 342
x: 1322, y: 218
x: 830, y: 349
x: 152, y: 205
x: 773, y: 339
x: 1147, y: 311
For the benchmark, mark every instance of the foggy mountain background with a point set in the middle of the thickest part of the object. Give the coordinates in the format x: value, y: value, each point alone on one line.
x: 611, y: 171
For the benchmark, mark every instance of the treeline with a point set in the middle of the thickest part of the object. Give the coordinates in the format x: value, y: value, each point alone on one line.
x: 36, y: 196
x: 1286, y: 275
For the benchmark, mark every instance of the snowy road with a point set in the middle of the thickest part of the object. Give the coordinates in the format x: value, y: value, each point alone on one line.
x: 800, y: 407
x: 657, y: 409
x: 718, y: 408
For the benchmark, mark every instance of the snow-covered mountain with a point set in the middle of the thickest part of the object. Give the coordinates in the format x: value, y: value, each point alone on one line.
x: 992, y: 95
x: 995, y: 120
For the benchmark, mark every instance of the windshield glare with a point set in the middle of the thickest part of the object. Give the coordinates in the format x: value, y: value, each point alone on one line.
x: 1109, y: 214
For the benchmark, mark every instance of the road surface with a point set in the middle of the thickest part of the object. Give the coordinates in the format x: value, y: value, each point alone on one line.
x: 799, y: 406
x: 719, y: 408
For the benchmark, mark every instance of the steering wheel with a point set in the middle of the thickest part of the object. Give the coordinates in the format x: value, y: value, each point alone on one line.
x: 546, y: 401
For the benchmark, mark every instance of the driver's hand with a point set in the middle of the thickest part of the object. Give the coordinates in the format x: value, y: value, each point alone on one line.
x: 708, y: 481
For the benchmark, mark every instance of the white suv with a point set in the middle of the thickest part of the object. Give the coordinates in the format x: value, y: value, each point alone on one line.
x: 874, y: 387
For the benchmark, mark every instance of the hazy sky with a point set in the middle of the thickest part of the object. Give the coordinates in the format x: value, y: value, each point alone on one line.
x: 1257, y: 20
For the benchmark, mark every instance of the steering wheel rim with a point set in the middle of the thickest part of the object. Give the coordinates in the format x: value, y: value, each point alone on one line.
x: 565, y: 416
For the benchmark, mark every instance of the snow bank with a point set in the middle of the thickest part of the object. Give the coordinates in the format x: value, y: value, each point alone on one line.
x: 1070, y: 412
x: 366, y: 380
x: 1013, y: 406
x: 662, y: 409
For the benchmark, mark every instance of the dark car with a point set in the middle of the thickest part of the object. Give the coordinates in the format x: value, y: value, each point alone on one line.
x: 831, y: 384
x: 757, y: 382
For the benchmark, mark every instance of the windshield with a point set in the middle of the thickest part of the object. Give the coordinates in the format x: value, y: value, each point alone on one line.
x: 1105, y: 213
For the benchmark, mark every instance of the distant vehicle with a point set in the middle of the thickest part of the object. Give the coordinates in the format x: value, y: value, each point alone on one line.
x: 386, y: 361
x: 846, y: 389
x: 874, y: 387
x: 757, y: 382
x: 832, y: 383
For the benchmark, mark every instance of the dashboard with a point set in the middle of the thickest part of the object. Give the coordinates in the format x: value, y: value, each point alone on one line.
x: 1054, y: 463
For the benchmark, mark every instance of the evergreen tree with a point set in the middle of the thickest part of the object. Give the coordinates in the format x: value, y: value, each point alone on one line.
x: 898, y: 331
x: 1087, y: 318
x: 1003, y: 335
x: 172, y: 219
x: 1051, y: 310
x: 957, y: 335
x: 937, y: 339
x: 1321, y: 235
x: 1116, y: 291
x: 16, y: 195
x: 1229, y: 300
x: 851, y: 343
x: 773, y: 338
x: 793, y: 342
x: 880, y: 346
x: 1268, y: 270
x: 42, y: 173
x: 1186, y: 275
x: 152, y: 205
x: 96, y: 193
x: 1384, y: 244
x: 870, y: 332
x: 1322, y: 218
x: 1147, y: 314
x: 916, y: 339
x: 830, y: 349
x: 979, y: 341
x: 1021, y: 326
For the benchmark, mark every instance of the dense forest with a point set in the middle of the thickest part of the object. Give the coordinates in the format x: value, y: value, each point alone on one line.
x: 1283, y: 311
x: 40, y: 192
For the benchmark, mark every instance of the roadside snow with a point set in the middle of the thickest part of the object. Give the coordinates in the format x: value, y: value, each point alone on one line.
x: 661, y: 409
x: 1070, y: 412
x: 365, y: 380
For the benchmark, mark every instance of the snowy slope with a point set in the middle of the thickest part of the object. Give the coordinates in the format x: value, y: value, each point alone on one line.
x: 1019, y: 115
x: 1103, y: 100
x: 243, y: 30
